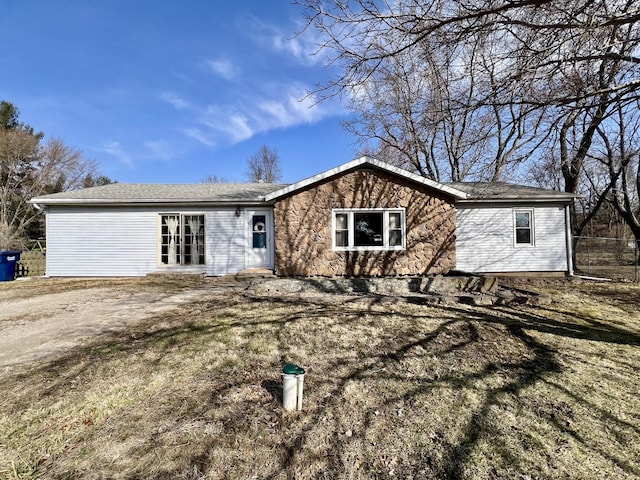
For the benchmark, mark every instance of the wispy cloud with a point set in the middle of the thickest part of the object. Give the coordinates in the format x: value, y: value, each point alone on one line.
x: 293, y: 109
x: 223, y: 67
x: 197, y: 133
x: 231, y: 124
x: 115, y: 149
x: 178, y: 102
x: 303, y: 46
x: 160, y: 149
x: 252, y: 114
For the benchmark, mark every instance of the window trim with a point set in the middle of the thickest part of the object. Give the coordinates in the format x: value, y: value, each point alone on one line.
x: 350, y: 212
x: 531, y: 228
x: 182, y: 219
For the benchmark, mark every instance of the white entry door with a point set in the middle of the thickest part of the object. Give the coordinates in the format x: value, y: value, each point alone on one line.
x: 259, y: 239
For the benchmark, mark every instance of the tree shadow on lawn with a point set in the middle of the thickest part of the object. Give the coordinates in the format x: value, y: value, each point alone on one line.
x: 524, y: 373
x: 625, y: 297
x: 537, y: 369
x: 482, y: 353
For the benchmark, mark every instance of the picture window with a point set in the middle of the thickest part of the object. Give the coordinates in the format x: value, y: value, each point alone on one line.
x: 369, y: 229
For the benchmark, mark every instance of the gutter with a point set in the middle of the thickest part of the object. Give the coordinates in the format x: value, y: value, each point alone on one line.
x: 529, y: 200
x: 101, y: 202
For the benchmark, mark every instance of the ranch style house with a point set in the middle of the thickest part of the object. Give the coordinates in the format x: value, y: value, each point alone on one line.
x: 362, y: 218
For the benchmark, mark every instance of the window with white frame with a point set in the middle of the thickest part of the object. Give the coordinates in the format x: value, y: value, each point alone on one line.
x: 523, y: 226
x: 368, y: 229
x: 182, y: 239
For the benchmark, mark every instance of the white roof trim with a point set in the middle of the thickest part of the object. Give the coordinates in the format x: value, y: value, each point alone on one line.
x: 365, y: 161
x: 528, y: 200
x: 145, y: 202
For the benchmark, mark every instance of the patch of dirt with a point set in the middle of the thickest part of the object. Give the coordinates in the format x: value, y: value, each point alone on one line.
x: 43, y: 325
x: 473, y: 290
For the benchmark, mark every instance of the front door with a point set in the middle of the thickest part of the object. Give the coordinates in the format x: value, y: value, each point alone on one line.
x: 260, y: 241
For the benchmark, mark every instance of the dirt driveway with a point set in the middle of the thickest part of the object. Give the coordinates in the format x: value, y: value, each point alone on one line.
x: 43, y: 317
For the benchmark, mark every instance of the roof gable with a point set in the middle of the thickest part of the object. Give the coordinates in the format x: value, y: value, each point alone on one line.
x: 363, y: 162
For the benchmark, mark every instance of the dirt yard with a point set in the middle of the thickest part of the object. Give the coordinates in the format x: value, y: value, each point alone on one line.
x: 36, y: 327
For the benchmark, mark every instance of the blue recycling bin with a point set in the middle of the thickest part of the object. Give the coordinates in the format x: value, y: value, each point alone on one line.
x: 8, y: 261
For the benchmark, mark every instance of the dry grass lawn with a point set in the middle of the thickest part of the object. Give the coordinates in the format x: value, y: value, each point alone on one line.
x: 394, y: 389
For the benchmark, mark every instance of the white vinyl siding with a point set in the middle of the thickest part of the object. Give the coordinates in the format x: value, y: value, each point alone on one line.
x: 485, y: 240
x: 225, y: 234
x: 99, y: 242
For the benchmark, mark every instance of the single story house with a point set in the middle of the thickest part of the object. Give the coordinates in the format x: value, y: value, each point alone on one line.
x: 363, y: 218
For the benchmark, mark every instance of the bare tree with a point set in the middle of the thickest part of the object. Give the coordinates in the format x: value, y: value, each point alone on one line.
x: 620, y: 156
x: 61, y: 168
x: 29, y: 168
x: 424, y: 115
x: 537, y: 39
x: 213, y: 179
x: 264, y: 166
x: 506, y: 80
x: 404, y: 114
x: 18, y: 151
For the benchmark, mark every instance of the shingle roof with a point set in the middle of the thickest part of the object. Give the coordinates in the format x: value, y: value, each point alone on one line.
x: 502, y: 191
x: 164, y: 193
x: 255, y: 193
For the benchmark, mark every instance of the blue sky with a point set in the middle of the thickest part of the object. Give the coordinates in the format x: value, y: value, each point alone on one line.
x: 170, y: 92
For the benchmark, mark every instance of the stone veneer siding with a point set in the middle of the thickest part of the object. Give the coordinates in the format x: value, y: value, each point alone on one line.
x: 303, y: 231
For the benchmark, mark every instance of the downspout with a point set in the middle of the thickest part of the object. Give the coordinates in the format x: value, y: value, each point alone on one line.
x: 569, y: 239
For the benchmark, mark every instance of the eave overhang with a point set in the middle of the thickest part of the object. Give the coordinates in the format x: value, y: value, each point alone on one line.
x: 101, y: 202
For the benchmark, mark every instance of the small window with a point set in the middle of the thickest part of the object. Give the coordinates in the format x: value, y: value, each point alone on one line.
x: 395, y: 229
x: 182, y: 239
x: 259, y: 223
x: 342, y: 230
x: 524, y: 227
x: 368, y: 229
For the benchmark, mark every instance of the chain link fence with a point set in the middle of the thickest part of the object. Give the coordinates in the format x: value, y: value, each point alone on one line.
x: 614, y: 258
